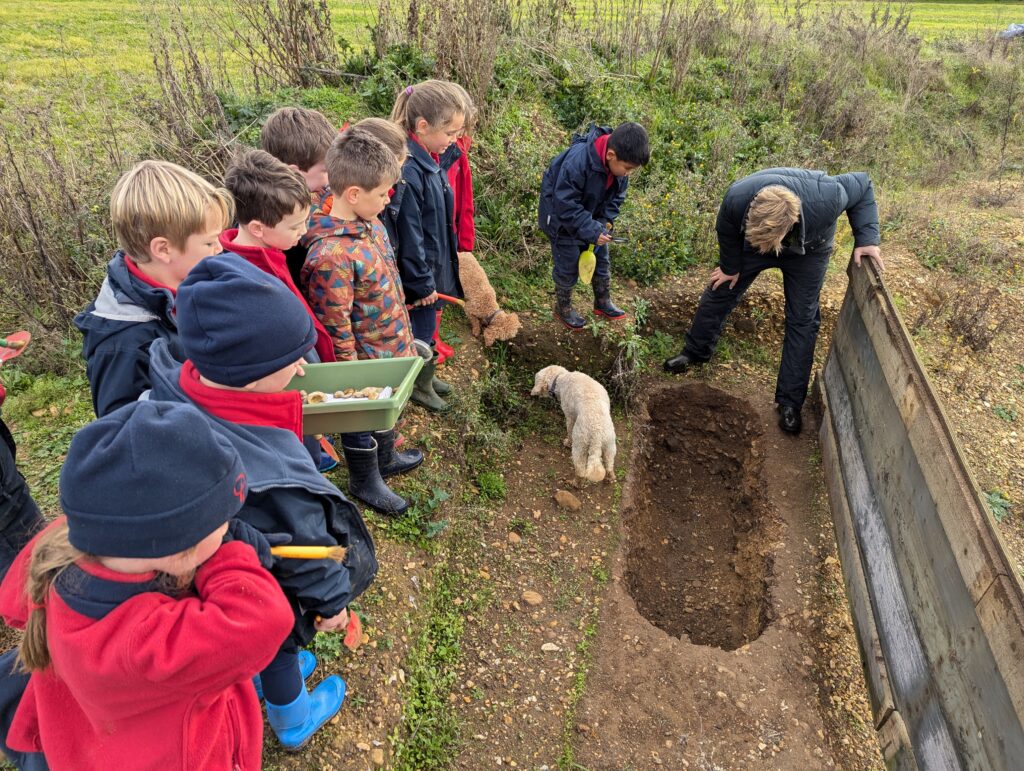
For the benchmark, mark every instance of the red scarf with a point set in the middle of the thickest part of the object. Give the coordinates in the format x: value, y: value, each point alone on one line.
x: 145, y: 279
x: 601, y: 148
x: 281, y: 410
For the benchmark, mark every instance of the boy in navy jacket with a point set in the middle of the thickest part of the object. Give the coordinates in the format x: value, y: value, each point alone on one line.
x: 166, y: 220
x: 245, y: 335
x: 580, y: 197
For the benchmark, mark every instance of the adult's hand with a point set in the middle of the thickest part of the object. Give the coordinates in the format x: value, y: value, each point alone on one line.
x: 718, y: 278
x: 873, y: 251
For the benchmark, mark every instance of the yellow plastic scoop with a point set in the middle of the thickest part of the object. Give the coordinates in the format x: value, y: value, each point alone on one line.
x: 587, y: 264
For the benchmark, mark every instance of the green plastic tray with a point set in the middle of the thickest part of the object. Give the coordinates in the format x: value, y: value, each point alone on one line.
x: 344, y: 417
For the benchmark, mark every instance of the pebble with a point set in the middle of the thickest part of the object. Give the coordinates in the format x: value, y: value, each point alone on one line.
x: 532, y: 598
x: 567, y: 500
x: 363, y: 747
x: 513, y: 538
x: 550, y: 647
x: 377, y: 756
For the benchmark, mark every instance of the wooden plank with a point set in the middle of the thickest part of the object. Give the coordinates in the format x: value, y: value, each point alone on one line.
x: 897, y: 751
x: 875, y: 673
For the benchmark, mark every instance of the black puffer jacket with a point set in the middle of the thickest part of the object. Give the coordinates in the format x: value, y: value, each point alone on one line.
x: 823, y: 199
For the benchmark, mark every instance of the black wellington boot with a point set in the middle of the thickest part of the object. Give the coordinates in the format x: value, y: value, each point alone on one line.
x: 366, y: 484
x: 789, y: 419
x: 603, y: 305
x: 564, y: 310
x: 391, y: 461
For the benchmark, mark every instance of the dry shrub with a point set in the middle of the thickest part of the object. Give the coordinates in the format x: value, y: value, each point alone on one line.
x: 977, y: 317
x: 54, y: 234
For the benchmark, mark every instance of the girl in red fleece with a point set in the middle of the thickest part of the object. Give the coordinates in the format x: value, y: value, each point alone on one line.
x: 143, y: 658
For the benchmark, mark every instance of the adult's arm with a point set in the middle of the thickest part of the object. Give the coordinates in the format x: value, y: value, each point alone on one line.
x: 861, y: 208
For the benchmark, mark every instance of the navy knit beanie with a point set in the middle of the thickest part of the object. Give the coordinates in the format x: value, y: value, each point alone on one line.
x: 150, y: 479
x: 238, y: 324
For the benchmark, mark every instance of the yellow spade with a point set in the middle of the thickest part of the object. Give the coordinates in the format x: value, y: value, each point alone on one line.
x: 587, y: 264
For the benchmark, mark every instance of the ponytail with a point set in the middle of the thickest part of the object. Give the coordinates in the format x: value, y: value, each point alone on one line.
x: 51, y: 554
x: 433, y: 100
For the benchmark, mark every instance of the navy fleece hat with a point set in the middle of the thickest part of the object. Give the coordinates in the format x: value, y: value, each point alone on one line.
x: 150, y: 479
x: 238, y: 324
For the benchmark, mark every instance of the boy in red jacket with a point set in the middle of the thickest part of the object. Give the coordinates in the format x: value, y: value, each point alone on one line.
x: 143, y: 631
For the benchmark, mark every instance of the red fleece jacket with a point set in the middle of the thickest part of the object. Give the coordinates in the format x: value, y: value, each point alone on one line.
x: 460, y: 177
x: 273, y: 261
x: 159, y: 682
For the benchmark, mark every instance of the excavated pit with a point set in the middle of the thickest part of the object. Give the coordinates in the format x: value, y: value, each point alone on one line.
x: 699, y: 527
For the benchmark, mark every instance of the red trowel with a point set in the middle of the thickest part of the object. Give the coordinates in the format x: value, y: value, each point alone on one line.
x: 13, y: 345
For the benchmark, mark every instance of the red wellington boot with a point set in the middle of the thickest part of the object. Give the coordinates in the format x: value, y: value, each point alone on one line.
x: 444, y: 351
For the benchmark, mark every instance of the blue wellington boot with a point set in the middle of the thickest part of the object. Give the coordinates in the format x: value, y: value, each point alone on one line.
x: 307, y: 663
x: 296, y: 723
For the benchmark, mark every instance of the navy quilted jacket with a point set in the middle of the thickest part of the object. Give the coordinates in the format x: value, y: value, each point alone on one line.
x: 822, y: 199
x: 575, y: 200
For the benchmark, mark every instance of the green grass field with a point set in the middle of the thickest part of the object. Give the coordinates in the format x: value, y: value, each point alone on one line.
x: 40, y: 41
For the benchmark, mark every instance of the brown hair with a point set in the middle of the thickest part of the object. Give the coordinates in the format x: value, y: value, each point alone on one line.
x: 772, y: 213
x: 52, y: 554
x: 387, y: 132
x: 297, y: 136
x: 357, y: 158
x: 264, y: 188
x: 158, y: 198
x: 433, y: 100
x: 468, y: 106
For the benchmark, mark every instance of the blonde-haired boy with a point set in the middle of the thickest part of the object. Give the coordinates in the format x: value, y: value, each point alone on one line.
x: 166, y: 220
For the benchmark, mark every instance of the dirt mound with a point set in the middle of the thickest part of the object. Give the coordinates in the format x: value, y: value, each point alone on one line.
x: 700, y: 529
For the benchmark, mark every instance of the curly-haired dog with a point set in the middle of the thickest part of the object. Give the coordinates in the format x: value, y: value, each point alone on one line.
x: 588, y: 420
x: 482, y: 304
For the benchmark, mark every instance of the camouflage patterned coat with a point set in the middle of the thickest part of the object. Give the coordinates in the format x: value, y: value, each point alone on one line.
x: 353, y: 286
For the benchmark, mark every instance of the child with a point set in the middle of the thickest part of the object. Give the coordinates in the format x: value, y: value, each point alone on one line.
x: 432, y: 115
x: 19, y: 516
x: 580, y: 197
x: 143, y: 631
x: 395, y: 140
x: 244, y: 335
x: 299, y: 137
x: 355, y: 290
x: 455, y: 162
x: 272, y: 207
x: 166, y: 220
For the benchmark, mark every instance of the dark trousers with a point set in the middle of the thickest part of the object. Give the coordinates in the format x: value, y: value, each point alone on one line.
x: 565, y: 254
x: 802, y: 279
x: 13, y: 683
x: 423, y: 320
x: 282, y: 679
x: 20, y: 519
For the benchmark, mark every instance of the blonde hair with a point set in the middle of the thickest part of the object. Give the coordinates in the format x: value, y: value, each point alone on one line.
x: 433, y: 100
x: 387, y: 132
x: 158, y: 198
x: 772, y: 214
x: 468, y: 106
x: 52, y: 554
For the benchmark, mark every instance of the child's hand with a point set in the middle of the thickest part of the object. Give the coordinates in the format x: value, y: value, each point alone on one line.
x: 430, y: 299
x: 238, y: 530
x: 332, y: 624
x: 604, y: 238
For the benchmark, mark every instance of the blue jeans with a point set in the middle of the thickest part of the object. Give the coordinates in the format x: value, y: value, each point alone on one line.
x: 802, y: 279
x: 424, y: 322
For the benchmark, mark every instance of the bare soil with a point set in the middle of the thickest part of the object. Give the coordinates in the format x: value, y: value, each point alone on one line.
x: 700, y: 529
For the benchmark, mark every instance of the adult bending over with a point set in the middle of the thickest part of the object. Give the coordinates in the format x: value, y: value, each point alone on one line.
x: 785, y: 219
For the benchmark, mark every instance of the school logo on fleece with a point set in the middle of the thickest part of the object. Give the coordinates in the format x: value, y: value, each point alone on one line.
x: 239, y: 491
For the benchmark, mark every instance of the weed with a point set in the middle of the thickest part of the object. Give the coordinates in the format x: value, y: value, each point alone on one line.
x: 522, y: 526
x: 599, y: 573
x: 491, y: 485
x: 328, y: 646
x: 567, y: 759
x: 1009, y: 414
x: 1000, y: 506
x: 417, y: 525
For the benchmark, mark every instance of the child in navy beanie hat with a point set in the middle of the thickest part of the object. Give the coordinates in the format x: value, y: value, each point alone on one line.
x: 244, y: 335
x: 122, y: 663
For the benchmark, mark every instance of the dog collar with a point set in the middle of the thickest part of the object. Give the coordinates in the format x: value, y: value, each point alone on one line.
x: 487, y: 322
x: 551, y: 388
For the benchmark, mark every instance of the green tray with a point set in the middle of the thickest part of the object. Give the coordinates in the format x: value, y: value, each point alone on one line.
x: 343, y: 417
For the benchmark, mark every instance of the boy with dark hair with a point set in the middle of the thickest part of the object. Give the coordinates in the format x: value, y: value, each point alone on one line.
x: 245, y: 336
x: 166, y: 220
x: 299, y: 138
x: 580, y: 197
x: 353, y: 286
